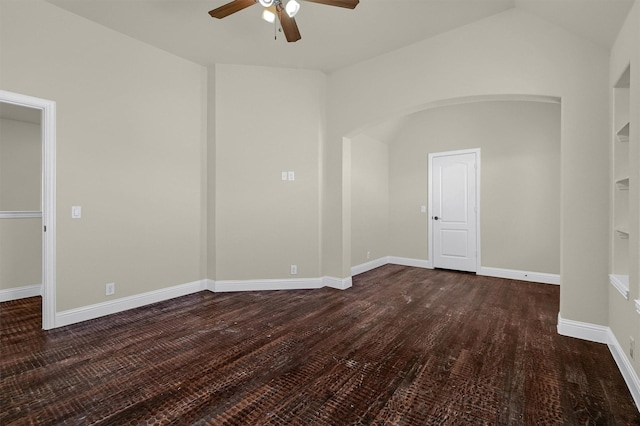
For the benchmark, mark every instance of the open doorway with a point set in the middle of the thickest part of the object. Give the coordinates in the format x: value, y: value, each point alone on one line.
x: 520, y: 223
x: 27, y: 202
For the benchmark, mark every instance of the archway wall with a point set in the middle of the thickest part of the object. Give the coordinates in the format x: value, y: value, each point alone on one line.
x: 513, y: 53
x: 519, y: 191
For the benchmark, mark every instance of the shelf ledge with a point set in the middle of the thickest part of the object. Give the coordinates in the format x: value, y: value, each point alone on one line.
x: 621, y: 283
x: 20, y: 215
x: 623, y: 233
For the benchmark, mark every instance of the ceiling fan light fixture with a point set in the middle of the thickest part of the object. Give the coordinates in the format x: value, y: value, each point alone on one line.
x: 292, y: 8
x: 284, y: 9
x: 269, y: 16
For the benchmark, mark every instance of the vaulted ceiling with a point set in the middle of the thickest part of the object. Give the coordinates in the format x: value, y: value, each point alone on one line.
x: 332, y: 37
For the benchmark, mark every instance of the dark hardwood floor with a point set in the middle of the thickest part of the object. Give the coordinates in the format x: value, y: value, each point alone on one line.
x: 404, y: 346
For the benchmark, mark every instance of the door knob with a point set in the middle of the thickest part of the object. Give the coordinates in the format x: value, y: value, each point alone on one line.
x: 435, y: 218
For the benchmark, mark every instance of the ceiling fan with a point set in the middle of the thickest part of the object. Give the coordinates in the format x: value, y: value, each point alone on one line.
x: 277, y: 8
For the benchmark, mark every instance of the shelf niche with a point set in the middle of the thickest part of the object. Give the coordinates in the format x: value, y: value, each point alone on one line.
x: 623, y: 184
x: 620, y: 182
x: 623, y: 133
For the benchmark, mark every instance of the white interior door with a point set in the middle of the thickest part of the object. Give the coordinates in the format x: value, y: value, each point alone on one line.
x: 454, y: 213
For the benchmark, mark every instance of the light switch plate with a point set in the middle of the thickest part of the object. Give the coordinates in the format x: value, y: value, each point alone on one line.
x: 76, y: 212
x: 292, y: 176
x: 284, y: 175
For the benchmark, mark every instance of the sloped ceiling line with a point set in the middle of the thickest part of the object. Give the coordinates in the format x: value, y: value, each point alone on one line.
x: 332, y: 37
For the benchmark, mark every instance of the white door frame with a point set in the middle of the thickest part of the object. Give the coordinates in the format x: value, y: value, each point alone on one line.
x: 475, y: 151
x: 48, y: 126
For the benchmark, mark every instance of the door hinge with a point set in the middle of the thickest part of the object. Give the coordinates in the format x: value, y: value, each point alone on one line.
x: 45, y: 228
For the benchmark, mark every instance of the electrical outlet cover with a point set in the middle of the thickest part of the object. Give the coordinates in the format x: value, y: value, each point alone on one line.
x: 110, y: 288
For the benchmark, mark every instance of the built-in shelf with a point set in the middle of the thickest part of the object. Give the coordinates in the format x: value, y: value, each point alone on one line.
x: 623, y: 133
x: 623, y: 233
x: 623, y: 184
x: 619, y: 178
x: 621, y: 283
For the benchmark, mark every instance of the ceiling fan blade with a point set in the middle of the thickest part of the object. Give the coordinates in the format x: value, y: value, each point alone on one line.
x: 288, y: 25
x: 349, y: 4
x: 229, y: 8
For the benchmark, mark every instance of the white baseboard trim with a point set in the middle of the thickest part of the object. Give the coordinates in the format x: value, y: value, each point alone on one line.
x: 210, y: 285
x: 85, y: 313
x: 514, y: 274
x: 405, y: 261
x: 278, y: 284
x: 625, y: 367
x: 365, y: 267
x: 537, y: 277
x: 337, y: 283
x: 20, y: 292
x: 263, y: 285
x: 583, y: 330
x: 601, y: 334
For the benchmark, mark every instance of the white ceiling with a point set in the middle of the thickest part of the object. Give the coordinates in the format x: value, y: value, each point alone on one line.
x: 332, y: 37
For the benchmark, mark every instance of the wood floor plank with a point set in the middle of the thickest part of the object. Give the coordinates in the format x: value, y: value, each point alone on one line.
x: 404, y: 346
